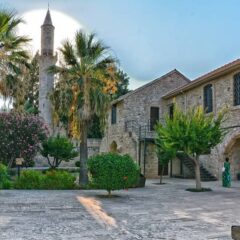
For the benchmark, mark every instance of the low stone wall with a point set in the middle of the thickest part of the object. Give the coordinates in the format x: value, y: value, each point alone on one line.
x: 93, y: 148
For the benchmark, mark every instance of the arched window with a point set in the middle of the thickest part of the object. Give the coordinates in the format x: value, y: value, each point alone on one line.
x: 237, y: 89
x: 208, y: 98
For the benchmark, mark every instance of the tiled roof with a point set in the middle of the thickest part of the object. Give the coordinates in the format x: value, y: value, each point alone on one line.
x: 205, y: 78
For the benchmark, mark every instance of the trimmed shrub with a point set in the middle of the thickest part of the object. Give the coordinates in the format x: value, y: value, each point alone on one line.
x: 5, y: 182
x: 77, y: 163
x: 112, y: 171
x: 59, y: 180
x: 52, y: 179
x: 30, y: 179
x: 60, y: 149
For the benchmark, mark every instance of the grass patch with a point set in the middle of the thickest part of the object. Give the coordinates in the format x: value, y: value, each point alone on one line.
x: 197, y: 190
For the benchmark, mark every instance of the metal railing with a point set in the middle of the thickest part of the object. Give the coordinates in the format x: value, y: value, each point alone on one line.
x: 142, y: 131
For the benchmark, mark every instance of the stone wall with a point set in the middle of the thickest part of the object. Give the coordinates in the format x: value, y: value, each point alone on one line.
x: 93, y: 148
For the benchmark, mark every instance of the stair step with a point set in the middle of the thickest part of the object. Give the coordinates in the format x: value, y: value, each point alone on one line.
x: 205, y: 174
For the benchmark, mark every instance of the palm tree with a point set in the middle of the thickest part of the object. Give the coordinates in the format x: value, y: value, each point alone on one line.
x: 12, y: 54
x: 88, y: 72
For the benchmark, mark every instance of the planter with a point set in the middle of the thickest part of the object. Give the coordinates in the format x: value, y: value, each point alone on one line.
x: 142, y: 180
x: 238, y: 176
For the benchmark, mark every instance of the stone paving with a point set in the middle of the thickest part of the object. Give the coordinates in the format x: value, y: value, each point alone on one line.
x: 155, y: 212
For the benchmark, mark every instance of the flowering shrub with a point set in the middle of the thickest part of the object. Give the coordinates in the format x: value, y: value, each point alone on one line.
x: 112, y: 171
x: 20, y: 136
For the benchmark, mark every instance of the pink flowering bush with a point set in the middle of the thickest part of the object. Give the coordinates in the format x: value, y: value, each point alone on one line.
x: 20, y: 136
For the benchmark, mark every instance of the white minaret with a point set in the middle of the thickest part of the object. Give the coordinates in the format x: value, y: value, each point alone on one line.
x: 46, y: 79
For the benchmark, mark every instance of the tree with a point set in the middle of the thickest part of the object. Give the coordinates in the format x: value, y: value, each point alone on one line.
x: 96, y: 129
x: 60, y: 149
x: 25, y: 96
x: 165, y: 152
x: 20, y: 137
x: 88, y: 72
x: 112, y: 171
x: 12, y: 54
x: 122, y: 84
x: 193, y: 133
x: 31, y: 91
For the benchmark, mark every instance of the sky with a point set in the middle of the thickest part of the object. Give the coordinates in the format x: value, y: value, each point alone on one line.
x: 153, y: 37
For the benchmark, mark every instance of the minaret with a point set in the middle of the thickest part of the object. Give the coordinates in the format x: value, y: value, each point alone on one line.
x: 46, y: 79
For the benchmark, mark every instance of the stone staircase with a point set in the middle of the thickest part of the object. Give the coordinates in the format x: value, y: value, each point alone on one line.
x: 188, y: 162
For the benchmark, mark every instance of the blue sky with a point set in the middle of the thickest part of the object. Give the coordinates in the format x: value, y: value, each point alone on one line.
x: 152, y: 37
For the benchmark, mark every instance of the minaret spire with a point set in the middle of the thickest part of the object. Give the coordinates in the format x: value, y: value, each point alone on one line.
x: 48, y: 19
x: 46, y: 60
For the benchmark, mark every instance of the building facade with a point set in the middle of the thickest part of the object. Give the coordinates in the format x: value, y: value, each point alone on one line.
x: 132, y: 117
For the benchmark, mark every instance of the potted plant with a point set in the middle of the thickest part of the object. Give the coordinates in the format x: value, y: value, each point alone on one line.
x: 238, y: 176
x: 142, y: 180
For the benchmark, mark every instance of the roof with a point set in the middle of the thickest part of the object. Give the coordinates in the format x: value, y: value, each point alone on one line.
x: 48, y: 19
x: 149, y: 84
x: 225, y: 69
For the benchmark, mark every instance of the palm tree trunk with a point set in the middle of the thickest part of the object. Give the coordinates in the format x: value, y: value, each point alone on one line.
x: 83, y: 178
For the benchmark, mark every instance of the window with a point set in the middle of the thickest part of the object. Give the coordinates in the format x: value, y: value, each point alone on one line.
x: 171, y: 111
x: 154, y: 117
x: 208, y: 98
x: 114, y: 114
x: 237, y: 89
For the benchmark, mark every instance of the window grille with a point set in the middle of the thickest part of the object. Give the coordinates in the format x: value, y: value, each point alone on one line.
x: 237, y: 89
x: 208, y: 98
x: 114, y: 114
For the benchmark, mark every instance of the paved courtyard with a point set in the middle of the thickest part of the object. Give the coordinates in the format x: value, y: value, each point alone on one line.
x: 155, y: 212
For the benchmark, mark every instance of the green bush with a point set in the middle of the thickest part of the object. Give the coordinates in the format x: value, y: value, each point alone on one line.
x: 53, y: 179
x: 5, y: 182
x: 112, y: 171
x: 59, y: 149
x: 59, y: 180
x: 77, y: 163
x: 30, y: 179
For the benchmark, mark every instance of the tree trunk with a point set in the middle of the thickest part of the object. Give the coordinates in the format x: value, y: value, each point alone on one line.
x: 83, y: 177
x: 161, y: 175
x: 197, y: 173
x: 10, y: 163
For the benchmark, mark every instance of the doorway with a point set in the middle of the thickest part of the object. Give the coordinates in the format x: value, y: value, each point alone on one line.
x: 154, y: 117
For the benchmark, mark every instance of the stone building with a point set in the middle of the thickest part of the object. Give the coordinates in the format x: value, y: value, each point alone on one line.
x: 132, y: 116
x: 46, y: 79
x: 214, y: 91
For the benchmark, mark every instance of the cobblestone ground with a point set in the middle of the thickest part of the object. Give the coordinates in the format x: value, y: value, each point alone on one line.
x: 155, y: 212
